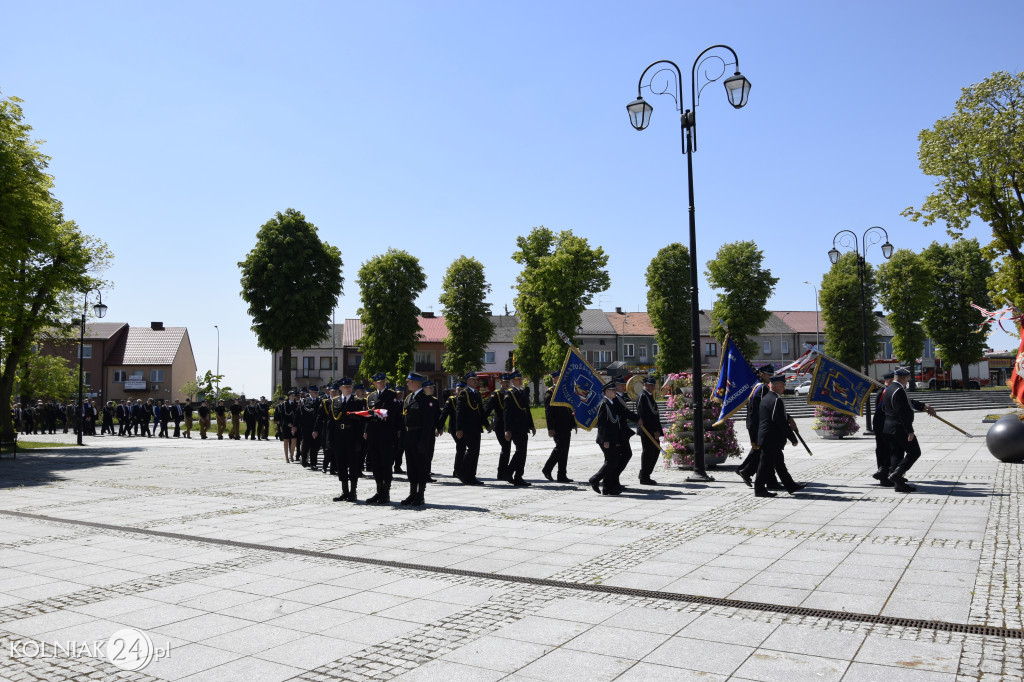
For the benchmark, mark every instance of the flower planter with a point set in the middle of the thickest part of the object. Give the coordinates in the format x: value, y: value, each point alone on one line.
x: 832, y: 435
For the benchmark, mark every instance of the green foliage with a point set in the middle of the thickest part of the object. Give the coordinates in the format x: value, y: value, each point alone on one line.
x: 466, y: 314
x: 209, y: 383
x: 668, y: 304
x: 291, y: 281
x: 279, y: 393
x: 747, y: 286
x: 977, y: 154
x: 388, y: 287
x: 190, y: 388
x: 960, y: 273
x: 841, y: 311
x: 905, y: 286
x: 47, y: 376
x: 45, y: 260
x: 561, y: 273
x: 530, y: 336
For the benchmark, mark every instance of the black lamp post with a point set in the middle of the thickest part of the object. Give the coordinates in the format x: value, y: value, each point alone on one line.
x: 101, y: 310
x: 861, y: 251
x: 737, y: 87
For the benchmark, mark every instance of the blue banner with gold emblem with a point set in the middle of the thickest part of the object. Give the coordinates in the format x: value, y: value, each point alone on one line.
x: 579, y: 387
x: 736, y: 380
x: 837, y: 386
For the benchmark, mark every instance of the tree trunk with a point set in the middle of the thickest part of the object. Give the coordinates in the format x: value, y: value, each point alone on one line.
x: 286, y: 370
x: 965, y: 378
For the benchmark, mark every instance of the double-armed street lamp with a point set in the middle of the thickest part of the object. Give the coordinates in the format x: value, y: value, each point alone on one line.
x: 737, y: 87
x: 101, y: 311
x: 861, y: 250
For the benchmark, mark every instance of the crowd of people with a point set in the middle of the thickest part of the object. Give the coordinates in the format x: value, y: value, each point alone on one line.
x: 368, y: 430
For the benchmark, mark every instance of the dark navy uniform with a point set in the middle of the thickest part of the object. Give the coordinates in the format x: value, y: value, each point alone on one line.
x: 772, y: 433
x: 561, y: 423
x: 904, y: 448
x: 470, y: 422
x: 650, y: 420
x: 496, y: 406
x: 448, y: 421
x: 611, y: 427
x: 518, y: 424
x: 380, y: 434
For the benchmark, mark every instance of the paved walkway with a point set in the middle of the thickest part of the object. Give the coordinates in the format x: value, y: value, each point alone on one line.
x: 242, y: 567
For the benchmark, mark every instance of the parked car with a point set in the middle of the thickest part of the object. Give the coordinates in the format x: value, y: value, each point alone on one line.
x: 804, y: 388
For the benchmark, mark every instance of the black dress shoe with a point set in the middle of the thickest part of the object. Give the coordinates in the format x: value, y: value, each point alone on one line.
x: 746, y: 479
x: 648, y: 481
x: 774, y: 486
x: 886, y: 483
x: 340, y: 498
x: 564, y: 479
x: 520, y: 483
x: 596, y: 485
x: 795, y: 488
x: 764, y: 493
x: 547, y: 474
x: 613, y: 492
x: 407, y: 501
x: 475, y: 481
x: 903, y: 487
x: 398, y: 470
x: 880, y: 475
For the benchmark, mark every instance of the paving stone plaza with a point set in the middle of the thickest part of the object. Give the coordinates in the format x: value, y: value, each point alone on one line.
x: 239, y: 566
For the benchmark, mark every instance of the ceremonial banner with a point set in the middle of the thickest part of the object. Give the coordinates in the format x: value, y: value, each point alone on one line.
x: 579, y: 387
x: 1016, y: 382
x: 736, y: 380
x: 837, y: 386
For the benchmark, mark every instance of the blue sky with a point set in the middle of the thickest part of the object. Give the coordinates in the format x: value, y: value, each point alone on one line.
x: 450, y: 128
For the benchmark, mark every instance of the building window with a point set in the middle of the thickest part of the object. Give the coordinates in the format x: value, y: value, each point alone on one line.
x: 325, y: 363
x: 603, y: 356
x: 156, y: 376
x: 654, y: 350
x: 120, y: 376
x: 785, y: 347
x: 711, y: 349
x: 643, y: 352
x: 85, y: 351
x: 601, y: 342
x: 354, y: 360
x: 87, y: 379
x: 489, y: 357
x: 767, y: 350
x: 627, y: 350
x: 308, y: 366
x: 424, y: 361
x: 294, y: 362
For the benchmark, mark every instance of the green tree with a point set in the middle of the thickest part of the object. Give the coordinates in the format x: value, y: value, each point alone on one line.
x: 746, y: 285
x: 291, y: 280
x: 668, y: 304
x: 530, y: 335
x: 466, y: 314
x: 209, y: 384
x: 45, y: 259
x: 389, y: 285
x: 190, y: 388
x: 905, y: 286
x: 47, y: 376
x: 841, y: 310
x: 561, y: 284
x: 976, y: 155
x: 961, y: 271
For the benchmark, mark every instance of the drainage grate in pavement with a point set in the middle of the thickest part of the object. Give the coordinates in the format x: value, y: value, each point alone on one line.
x: 966, y: 628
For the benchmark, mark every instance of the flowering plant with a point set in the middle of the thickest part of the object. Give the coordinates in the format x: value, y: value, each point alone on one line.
x: 829, y: 422
x: 719, y: 442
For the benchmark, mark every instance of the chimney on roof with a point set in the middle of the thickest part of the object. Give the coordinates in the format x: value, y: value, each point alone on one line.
x: 618, y: 309
x: 427, y: 313
x: 156, y: 326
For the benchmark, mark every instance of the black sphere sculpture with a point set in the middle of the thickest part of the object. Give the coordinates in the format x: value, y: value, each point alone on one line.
x: 1005, y: 439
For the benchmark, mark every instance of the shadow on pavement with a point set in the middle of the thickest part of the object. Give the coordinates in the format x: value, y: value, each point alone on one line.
x: 44, y: 466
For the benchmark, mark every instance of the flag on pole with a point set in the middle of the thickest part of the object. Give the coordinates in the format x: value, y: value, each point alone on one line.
x: 802, y: 364
x: 839, y: 387
x: 579, y: 387
x: 736, y: 380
